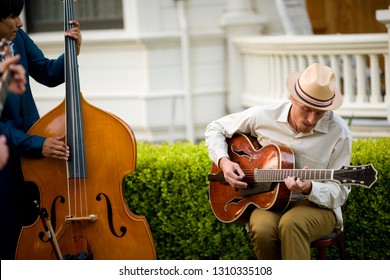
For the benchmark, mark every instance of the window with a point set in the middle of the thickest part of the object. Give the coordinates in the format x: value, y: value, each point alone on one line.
x: 45, y: 16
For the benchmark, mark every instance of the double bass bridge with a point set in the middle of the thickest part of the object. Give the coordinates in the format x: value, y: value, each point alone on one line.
x: 91, y: 218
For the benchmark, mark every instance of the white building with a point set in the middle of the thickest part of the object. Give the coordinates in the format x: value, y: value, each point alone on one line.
x: 175, y: 65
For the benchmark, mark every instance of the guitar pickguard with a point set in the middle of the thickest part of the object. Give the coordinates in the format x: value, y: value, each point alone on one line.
x: 255, y: 188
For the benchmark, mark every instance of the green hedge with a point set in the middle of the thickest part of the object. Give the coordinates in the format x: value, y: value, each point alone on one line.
x: 367, y: 211
x: 170, y: 188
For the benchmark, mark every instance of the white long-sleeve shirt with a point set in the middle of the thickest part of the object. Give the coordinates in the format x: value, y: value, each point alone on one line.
x: 327, y: 146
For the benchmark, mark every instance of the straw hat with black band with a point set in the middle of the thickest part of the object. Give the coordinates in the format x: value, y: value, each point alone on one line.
x: 315, y: 87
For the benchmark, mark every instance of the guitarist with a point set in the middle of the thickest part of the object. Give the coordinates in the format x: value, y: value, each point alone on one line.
x: 17, y: 85
x: 319, y: 138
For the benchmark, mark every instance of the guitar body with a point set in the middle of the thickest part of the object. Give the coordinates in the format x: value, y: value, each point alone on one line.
x: 230, y: 204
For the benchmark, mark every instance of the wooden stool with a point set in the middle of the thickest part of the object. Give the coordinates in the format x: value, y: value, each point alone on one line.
x: 334, y: 238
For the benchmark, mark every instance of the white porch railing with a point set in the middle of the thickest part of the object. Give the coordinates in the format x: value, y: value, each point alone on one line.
x: 359, y: 61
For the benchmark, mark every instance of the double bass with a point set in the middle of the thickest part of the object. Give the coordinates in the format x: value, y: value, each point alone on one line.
x: 83, y: 212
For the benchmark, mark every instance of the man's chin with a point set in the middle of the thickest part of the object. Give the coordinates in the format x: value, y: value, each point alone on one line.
x: 306, y: 129
x: 12, y: 36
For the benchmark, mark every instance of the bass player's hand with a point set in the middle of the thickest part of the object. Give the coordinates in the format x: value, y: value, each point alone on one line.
x: 55, y: 147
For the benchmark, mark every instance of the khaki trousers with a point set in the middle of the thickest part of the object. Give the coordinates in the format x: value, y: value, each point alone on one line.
x: 287, y: 235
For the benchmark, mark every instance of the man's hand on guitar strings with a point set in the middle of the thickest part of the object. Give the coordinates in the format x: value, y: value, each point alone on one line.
x: 232, y: 172
x: 296, y: 185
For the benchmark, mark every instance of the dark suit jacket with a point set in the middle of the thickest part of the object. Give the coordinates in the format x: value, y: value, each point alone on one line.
x: 20, y: 111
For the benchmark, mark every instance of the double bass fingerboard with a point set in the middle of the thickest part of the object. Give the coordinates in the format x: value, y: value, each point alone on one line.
x: 74, y: 118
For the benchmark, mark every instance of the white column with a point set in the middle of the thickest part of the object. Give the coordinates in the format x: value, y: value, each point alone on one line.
x: 239, y: 19
x: 186, y: 68
x: 383, y: 16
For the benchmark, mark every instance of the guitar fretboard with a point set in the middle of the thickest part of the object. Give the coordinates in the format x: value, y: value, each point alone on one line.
x: 278, y: 175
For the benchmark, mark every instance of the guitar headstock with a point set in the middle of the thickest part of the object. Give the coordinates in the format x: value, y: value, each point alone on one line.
x: 361, y: 175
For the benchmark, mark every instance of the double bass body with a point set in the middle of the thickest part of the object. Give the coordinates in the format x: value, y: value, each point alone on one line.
x: 110, y: 153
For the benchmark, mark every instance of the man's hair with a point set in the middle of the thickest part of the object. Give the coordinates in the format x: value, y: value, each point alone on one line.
x: 10, y: 8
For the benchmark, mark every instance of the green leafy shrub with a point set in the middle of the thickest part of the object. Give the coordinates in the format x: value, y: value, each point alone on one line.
x: 367, y: 211
x: 170, y: 188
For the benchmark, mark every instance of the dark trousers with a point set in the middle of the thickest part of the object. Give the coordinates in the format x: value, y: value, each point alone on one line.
x: 17, y: 209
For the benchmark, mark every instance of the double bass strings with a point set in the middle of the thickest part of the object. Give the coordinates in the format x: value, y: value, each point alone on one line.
x: 76, y: 166
x: 74, y: 125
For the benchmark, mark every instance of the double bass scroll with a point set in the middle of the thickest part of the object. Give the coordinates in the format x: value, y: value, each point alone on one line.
x: 84, y: 195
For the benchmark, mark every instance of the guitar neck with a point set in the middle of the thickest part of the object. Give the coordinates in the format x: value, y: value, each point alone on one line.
x: 278, y: 175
